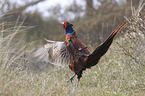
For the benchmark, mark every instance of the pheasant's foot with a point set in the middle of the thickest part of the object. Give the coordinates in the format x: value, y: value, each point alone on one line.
x: 71, y: 78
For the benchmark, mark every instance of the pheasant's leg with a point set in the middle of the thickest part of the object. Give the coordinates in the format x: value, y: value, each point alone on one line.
x: 79, y: 77
x: 71, y: 78
x: 72, y: 87
x: 78, y: 82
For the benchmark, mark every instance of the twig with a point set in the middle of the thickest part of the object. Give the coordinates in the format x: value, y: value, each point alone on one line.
x: 127, y: 53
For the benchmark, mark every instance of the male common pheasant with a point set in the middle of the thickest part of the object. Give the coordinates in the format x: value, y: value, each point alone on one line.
x: 73, y: 52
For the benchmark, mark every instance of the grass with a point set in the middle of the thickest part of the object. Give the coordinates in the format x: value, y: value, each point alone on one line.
x: 119, y: 73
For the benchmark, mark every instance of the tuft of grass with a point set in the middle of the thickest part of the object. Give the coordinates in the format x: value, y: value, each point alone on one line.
x: 119, y: 73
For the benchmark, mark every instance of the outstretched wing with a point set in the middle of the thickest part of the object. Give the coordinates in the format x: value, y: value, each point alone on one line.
x: 94, y: 58
x: 54, y: 52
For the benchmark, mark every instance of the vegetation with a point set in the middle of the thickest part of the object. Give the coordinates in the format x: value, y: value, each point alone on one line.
x: 119, y: 73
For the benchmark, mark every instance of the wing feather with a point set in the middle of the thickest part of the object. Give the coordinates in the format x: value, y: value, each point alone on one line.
x: 54, y: 52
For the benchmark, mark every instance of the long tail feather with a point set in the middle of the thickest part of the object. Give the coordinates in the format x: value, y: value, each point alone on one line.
x: 94, y: 58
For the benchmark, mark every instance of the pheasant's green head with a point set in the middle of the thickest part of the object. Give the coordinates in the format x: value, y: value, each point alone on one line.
x: 68, y: 28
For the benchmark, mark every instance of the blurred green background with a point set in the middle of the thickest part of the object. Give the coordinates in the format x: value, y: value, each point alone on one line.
x: 94, y: 19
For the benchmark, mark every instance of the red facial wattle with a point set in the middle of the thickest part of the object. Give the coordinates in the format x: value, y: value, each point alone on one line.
x: 65, y: 24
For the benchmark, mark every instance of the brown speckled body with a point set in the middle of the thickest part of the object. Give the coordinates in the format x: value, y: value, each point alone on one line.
x: 77, y: 44
x: 79, y: 50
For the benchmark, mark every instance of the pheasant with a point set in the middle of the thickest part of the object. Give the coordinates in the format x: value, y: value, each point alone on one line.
x: 73, y: 52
